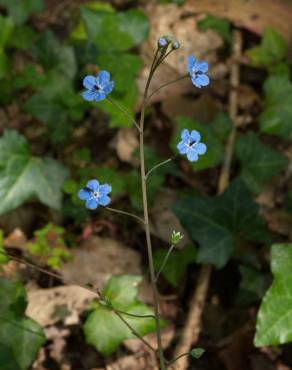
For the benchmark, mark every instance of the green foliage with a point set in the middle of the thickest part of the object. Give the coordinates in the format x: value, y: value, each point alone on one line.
x: 21, y: 10
x: 216, y: 223
x: 272, y: 49
x: 50, y: 245
x: 276, y: 117
x: 20, y: 337
x: 274, y: 319
x: 111, y: 35
x: 197, y: 352
x: 259, y: 163
x: 23, y: 176
x: 177, y: 263
x: 252, y: 285
x: 220, y: 25
x: 3, y: 259
x: 6, y: 27
x: 55, y: 102
x: 212, y: 135
x: 103, y: 329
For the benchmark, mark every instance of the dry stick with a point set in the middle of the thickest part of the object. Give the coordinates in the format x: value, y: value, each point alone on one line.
x: 96, y: 291
x: 192, y: 326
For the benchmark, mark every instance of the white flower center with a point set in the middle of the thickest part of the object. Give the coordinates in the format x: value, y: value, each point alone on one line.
x: 96, y: 194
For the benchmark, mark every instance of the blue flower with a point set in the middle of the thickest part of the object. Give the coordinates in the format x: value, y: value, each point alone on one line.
x: 95, y: 195
x: 197, y: 72
x: 190, y: 145
x: 97, y: 87
x: 162, y: 42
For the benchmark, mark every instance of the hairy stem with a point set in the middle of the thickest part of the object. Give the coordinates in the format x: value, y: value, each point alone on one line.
x: 158, y: 165
x: 121, y: 109
x: 146, y: 220
x: 125, y: 213
x: 164, y: 261
x: 166, y: 84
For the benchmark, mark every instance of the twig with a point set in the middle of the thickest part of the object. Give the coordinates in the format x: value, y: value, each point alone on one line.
x: 121, y: 109
x: 164, y: 261
x: 166, y: 84
x: 158, y: 165
x: 192, y: 328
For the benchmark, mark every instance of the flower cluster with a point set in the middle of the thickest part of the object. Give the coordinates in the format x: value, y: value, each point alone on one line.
x: 190, y: 145
x: 95, y: 194
x: 97, y: 87
x: 100, y: 86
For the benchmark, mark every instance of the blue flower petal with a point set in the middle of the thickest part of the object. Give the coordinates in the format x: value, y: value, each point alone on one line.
x: 104, y: 200
x: 182, y: 148
x: 191, y: 63
x: 202, y: 66
x: 192, y: 155
x: 195, y: 136
x: 201, y: 148
x: 203, y: 80
x: 196, y: 82
x: 84, y: 194
x: 108, y: 88
x: 93, y: 185
x: 99, y: 96
x: 91, y: 203
x: 104, y: 189
x: 103, y: 78
x: 89, y: 82
x: 185, y: 134
x: 88, y: 95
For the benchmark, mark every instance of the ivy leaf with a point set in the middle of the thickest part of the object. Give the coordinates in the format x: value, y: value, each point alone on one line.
x: 274, y: 319
x: 25, y: 335
x: 220, y: 25
x: 277, y: 114
x: 197, y: 352
x: 272, y: 49
x: 216, y: 223
x: 103, y: 329
x: 21, y: 10
x: 215, y: 149
x: 252, y: 285
x: 23, y: 176
x: 259, y: 163
x: 177, y: 263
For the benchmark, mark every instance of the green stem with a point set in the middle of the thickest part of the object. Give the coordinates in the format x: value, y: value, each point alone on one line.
x: 164, y: 261
x: 158, y: 165
x: 177, y: 358
x: 166, y: 84
x: 125, y: 213
x: 121, y: 109
x: 146, y: 220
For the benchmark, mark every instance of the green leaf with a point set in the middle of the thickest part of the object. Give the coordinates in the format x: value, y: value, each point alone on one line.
x: 104, y: 330
x: 3, y: 258
x: 197, y: 352
x: 23, y: 176
x: 216, y: 223
x: 25, y: 336
x: 276, y: 117
x: 21, y: 10
x: 221, y: 26
x: 215, y: 149
x: 115, y: 31
x: 177, y: 263
x: 272, y: 49
x: 259, y: 163
x: 110, y: 176
x: 252, y: 285
x: 274, y: 319
x: 6, y: 27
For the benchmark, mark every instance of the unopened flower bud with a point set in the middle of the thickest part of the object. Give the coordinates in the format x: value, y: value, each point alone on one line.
x: 162, y: 42
x: 175, y: 44
x: 176, y: 237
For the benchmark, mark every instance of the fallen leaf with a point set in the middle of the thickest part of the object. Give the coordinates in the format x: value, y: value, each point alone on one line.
x: 126, y: 143
x: 60, y: 304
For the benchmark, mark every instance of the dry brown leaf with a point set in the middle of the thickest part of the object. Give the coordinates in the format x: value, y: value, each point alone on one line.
x: 253, y: 15
x: 97, y: 259
x: 126, y: 143
x: 60, y: 304
x: 170, y: 19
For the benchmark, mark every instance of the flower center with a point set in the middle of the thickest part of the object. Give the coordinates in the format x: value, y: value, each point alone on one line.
x: 196, y: 73
x: 96, y: 88
x: 96, y: 194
